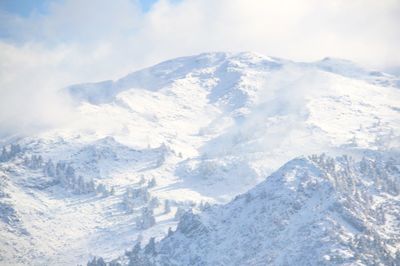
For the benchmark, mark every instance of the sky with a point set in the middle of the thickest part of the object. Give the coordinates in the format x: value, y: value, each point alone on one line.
x: 48, y: 44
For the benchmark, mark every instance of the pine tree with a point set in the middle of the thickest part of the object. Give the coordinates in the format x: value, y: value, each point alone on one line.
x: 142, y: 180
x: 60, y: 173
x: 170, y: 232
x: 4, y: 155
x: 90, y: 186
x: 146, y: 219
x: 70, y: 171
x: 97, y: 262
x: 49, y: 169
x: 179, y: 212
x: 160, y: 160
x: 136, y: 249
x: 152, y: 183
x: 80, y: 186
x: 134, y: 260
x: 150, y: 248
x: 15, y: 149
x: 167, y: 207
x: 106, y: 193
x: 101, y: 262
x: 134, y: 254
x: 101, y: 189
x: 35, y: 162
x: 154, y: 203
x: 40, y: 161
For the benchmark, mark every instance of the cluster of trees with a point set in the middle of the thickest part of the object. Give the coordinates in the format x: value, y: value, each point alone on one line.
x: 8, y: 154
x: 136, y: 256
x: 99, y: 261
x: 65, y: 175
x: 152, y: 183
x: 189, y: 206
x: 204, y: 206
x: 135, y: 198
x: 372, y: 250
x: 34, y: 162
x: 349, y: 176
x: 62, y: 172
x: 146, y: 218
x: 139, y: 256
x: 355, y: 183
x: 102, y: 189
x: 144, y: 256
x: 179, y: 213
x: 385, y: 175
x: 167, y: 206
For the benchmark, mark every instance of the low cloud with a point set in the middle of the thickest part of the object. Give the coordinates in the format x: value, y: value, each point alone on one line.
x: 79, y: 41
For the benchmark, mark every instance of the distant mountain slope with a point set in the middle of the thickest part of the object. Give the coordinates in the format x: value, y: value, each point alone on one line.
x: 312, y: 211
x: 180, y: 135
x: 219, y: 65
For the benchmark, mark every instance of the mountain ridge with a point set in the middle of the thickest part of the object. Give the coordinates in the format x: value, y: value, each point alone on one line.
x: 186, y: 134
x: 329, y: 64
x: 312, y: 211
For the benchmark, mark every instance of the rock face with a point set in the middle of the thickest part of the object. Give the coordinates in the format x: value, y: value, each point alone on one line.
x: 312, y: 211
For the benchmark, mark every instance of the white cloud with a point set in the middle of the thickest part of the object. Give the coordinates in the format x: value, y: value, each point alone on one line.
x: 90, y: 40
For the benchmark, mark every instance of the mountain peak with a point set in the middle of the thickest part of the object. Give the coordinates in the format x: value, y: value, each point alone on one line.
x: 176, y: 137
x: 310, y: 212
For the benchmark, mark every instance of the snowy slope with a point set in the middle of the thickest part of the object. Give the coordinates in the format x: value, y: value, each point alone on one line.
x: 205, y: 128
x: 312, y: 211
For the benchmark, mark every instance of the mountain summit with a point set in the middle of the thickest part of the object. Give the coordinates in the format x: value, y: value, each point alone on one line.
x: 143, y: 152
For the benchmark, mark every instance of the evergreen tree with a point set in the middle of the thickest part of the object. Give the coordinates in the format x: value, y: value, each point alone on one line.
x: 134, y: 254
x: 97, y: 262
x: 146, y: 219
x: 154, y: 203
x: 60, y: 173
x: 4, y: 155
x: 81, y: 185
x: 152, y: 183
x: 142, y: 180
x: 136, y: 249
x: 170, y: 232
x: 101, y: 189
x: 150, y: 248
x: 167, y: 207
x: 101, y: 262
x: 15, y: 149
x: 49, y: 169
x: 179, y: 212
x: 90, y: 186
x: 70, y: 171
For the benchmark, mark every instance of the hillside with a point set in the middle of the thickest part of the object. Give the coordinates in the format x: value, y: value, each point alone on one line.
x: 312, y: 211
x: 182, y: 135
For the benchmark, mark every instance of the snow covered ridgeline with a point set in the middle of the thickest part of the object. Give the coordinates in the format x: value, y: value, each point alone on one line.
x: 222, y: 65
x: 227, y: 121
x: 77, y: 171
x: 312, y: 211
x: 26, y: 174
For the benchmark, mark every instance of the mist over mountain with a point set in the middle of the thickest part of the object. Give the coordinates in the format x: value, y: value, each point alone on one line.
x: 212, y: 159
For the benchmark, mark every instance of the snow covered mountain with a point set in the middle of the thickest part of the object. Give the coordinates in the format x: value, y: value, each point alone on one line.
x: 183, y: 134
x: 312, y: 211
